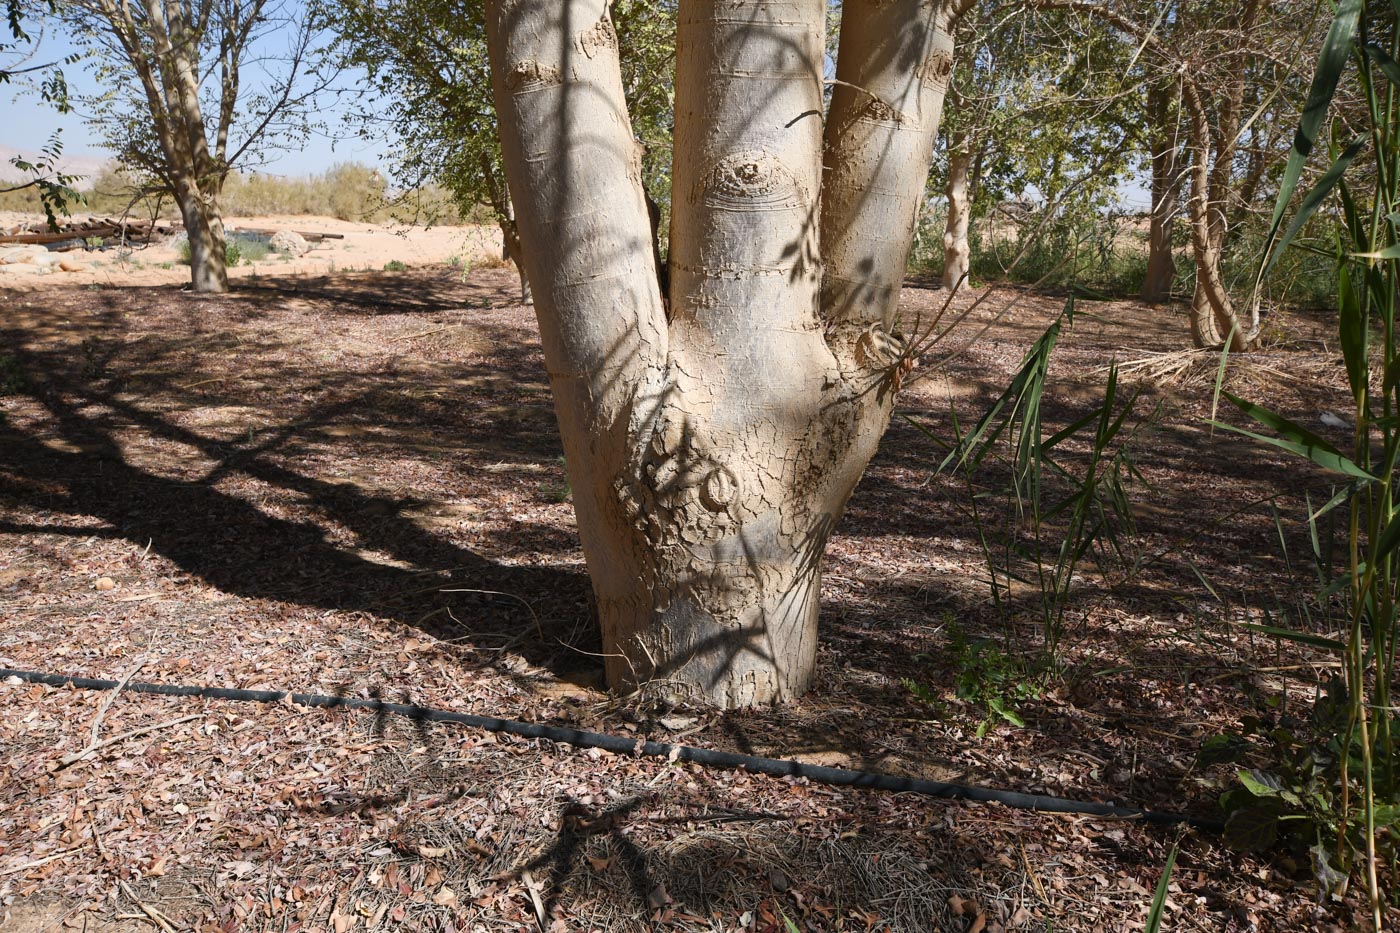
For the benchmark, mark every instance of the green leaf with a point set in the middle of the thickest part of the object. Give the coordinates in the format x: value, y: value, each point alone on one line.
x: 1313, y: 200
x: 1387, y: 64
x: 1329, y: 880
x: 1282, y: 425
x: 1159, y: 897
x: 1005, y: 711
x: 1302, y: 638
x: 1221, y: 749
x: 1387, y: 815
x: 1388, y: 540
x: 1296, y: 439
x: 1333, y: 58
x: 1326, y: 459
x: 1235, y: 798
x: 1352, y: 332
x: 1252, y: 829
x: 1261, y: 783
x: 1390, y: 252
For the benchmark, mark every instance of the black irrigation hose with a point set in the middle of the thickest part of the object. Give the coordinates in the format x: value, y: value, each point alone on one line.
x: 625, y: 746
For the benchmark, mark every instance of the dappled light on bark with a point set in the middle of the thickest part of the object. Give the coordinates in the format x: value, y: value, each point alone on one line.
x: 714, y: 434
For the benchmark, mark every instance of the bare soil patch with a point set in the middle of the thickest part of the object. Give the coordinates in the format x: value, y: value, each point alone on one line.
x: 360, y: 247
x: 351, y: 484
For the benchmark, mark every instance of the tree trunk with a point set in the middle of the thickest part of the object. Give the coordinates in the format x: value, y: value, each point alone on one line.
x: 1213, y: 319
x: 957, y: 253
x: 1166, y: 185
x: 712, y: 453
x: 204, y: 227
x: 512, y: 251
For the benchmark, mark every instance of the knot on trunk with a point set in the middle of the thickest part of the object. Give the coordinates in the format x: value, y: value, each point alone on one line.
x: 530, y: 75
x: 936, y: 68
x: 751, y: 180
x: 600, y: 37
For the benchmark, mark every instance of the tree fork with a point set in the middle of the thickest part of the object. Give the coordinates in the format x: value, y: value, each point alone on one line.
x: 712, y: 454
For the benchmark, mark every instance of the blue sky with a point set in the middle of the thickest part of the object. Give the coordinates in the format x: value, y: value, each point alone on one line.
x: 28, y: 122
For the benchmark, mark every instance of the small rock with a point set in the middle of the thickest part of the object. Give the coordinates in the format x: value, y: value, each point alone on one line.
x: 104, y: 584
x: 14, y: 254
x: 289, y: 242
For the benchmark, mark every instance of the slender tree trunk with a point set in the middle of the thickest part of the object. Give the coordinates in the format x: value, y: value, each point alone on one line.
x: 1166, y: 185
x: 512, y: 251
x: 204, y: 226
x: 1213, y: 319
x: 713, y: 452
x: 957, y: 253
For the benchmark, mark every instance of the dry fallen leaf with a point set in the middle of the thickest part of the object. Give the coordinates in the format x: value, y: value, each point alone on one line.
x: 432, y: 851
x: 446, y: 897
x: 658, y: 897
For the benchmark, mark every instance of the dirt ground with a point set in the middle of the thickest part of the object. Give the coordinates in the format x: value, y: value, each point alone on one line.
x: 351, y: 484
x: 363, y: 247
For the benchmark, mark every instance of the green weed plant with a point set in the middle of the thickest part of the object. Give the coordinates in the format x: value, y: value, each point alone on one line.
x: 1333, y: 786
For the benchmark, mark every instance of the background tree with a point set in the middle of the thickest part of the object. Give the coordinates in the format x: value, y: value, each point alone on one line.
x: 1040, y: 113
x: 712, y: 441
x: 429, y: 94
x: 179, y: 106
x: 19, y: 58
x: 1239, y: 67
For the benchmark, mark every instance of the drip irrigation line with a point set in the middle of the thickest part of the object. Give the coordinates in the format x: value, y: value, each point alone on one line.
x: 621, y: 745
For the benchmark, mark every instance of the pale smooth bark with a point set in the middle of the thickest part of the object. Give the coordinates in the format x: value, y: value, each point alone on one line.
x: 204, y: 226
x: 957, y: 251
x: 713, y: 440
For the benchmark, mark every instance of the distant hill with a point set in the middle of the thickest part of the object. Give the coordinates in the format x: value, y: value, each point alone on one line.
x: 87, y: 164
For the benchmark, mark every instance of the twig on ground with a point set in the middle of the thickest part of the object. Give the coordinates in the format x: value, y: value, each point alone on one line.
x: 533, y: 887
x: 426, y: 333
x: 111, y: 697
x: 129, y: 734
x: 37, y: 862
x: 155, y: 916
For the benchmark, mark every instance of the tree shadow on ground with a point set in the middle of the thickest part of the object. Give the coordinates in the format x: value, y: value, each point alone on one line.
x: 108, y: 437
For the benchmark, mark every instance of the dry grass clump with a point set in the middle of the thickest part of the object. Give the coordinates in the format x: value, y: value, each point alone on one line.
x: 347, y: 191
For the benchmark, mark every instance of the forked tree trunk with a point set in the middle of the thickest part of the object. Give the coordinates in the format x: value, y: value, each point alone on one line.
x: 204, y: 226
x: 957, y: 252
x: 712, y: 454
x: 1213, y: 318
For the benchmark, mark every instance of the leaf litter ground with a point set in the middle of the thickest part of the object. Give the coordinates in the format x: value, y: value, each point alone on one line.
x: 353, y: 485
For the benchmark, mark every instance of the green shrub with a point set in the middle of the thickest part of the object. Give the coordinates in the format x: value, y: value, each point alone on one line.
x: 394, y: 265
x: 238, y: 248
x: 1331, y: 785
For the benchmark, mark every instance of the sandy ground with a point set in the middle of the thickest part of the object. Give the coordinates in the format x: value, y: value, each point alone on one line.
x: 365, y: 247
